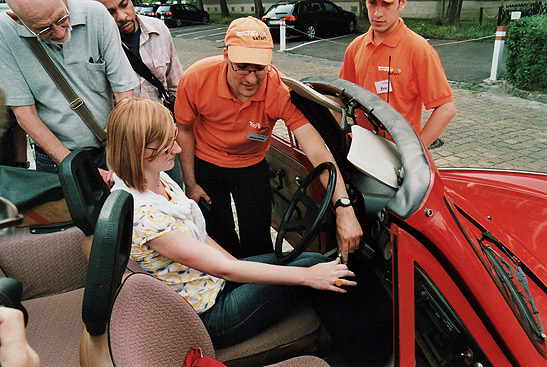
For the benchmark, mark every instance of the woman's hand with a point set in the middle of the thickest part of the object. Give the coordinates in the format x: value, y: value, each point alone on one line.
x: 330, y: 276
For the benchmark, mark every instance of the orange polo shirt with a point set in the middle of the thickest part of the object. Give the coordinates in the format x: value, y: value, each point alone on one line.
x: 417, y: 76
x: 228, y: 133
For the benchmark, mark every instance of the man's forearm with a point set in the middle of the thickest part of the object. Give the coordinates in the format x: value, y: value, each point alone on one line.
x: 185, y: 139
x: 437, y: 122
x: 28, y: 119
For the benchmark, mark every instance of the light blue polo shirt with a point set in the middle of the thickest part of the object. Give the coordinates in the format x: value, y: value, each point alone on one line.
x: 92, y: 62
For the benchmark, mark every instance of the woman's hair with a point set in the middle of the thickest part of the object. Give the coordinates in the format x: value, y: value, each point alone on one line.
x: 132, y: 125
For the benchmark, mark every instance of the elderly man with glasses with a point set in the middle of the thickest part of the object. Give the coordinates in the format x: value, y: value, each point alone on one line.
x: 82, y: 41
x: 226, y: 109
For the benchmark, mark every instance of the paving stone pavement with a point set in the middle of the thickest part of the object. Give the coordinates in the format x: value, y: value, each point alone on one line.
x: 491, y: 129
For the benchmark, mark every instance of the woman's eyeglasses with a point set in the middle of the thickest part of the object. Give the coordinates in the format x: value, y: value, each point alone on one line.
x: 168, y: 150
x: 59, y: 22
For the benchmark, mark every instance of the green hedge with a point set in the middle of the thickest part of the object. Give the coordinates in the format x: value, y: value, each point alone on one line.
x: 526, y: 43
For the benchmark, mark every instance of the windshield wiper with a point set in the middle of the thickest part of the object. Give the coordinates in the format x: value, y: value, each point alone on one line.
x: 506, y: 272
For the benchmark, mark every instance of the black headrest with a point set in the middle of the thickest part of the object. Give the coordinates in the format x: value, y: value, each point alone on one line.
x: 10, y: 295
x: 84, y: 189
x: 107, y: 261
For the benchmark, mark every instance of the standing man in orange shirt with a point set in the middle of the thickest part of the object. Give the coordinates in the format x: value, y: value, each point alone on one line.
x: 226, y: 108
x: 401, y: 68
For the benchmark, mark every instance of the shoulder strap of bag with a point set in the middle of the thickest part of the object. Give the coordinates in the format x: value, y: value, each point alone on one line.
x: 140, y: 68
x: 76, y: 103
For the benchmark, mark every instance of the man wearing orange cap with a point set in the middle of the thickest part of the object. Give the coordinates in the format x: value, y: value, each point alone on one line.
x: 401, y: 68
x: 226, y: 108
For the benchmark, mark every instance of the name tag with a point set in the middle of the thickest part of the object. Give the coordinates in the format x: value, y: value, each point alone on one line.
x: 257, y: 137
x: 382, y: 86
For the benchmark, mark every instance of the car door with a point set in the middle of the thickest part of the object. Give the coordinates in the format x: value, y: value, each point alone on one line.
x: 288, y: 167
x: 188, y: 15
x: 435, y: 321
x: 317, y: 13
x: 333, y: 20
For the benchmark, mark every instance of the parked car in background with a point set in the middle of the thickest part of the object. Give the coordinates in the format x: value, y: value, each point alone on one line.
x: 179, y: 14
x: 148, y: 10
x: 310, y: 18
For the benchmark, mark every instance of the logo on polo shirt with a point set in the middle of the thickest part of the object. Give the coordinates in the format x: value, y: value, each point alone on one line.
x: 386, y: 69
x: 258, y: 126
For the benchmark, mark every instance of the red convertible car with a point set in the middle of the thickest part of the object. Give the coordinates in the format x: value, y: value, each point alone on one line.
x: 459, y: 253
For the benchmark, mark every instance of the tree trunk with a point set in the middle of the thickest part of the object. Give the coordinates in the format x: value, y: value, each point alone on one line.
x: 224, y: 8
x: 259, y: 9
x: 363, y: 9
x: 199, y: 4
x: 453, y: 12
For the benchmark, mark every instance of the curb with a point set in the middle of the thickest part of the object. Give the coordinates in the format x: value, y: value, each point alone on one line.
x: 532, y: 96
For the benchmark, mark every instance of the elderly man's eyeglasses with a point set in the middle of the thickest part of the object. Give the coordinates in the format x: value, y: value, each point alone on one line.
x: 168, y: 150
x: 59, y: 22
x: 260, y: 71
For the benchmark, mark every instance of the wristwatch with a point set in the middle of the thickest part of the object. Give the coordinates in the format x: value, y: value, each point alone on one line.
x: 343, y: 202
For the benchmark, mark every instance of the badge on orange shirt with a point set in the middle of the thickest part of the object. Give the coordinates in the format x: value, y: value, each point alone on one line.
x: 257, y: 137
x: 382, y: 86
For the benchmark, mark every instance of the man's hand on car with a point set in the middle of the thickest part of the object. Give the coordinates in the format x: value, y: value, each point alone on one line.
x: 348, y: 231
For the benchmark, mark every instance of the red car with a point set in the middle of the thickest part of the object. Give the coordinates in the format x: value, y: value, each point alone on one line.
x: 460, y: 253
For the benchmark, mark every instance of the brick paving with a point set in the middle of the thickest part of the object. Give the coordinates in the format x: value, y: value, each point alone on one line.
x: 491, y: 128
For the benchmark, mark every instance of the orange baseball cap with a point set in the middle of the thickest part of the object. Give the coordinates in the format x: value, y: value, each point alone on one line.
x: 249, y: 42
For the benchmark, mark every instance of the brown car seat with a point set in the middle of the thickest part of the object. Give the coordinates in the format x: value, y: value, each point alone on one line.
x: 142, y: 322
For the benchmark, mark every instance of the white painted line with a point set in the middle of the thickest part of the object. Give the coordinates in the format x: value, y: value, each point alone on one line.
x: 315, y: 41
x: 201, y: 31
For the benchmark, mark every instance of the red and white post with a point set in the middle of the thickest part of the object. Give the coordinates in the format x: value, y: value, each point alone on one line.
x: 282, y: 35
x: 499, y: 44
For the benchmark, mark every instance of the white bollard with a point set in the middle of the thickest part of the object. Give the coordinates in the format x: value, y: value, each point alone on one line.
x: 282, y: 34
x: 499, y: 44
x: 498, y: 52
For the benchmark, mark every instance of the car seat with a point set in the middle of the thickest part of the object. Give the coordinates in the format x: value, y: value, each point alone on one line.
x: 133, y: 319
x: 50, y: 264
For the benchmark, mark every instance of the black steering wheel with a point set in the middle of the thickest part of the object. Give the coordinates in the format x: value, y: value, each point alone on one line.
x: 313, y: 218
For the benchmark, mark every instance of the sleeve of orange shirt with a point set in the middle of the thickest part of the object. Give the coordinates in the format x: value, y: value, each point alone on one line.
x: 432, y: 83
x: 347, y: 71
x: 185, y: 106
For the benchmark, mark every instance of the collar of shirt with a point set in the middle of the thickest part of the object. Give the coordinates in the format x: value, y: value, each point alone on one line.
x: 392, y: 40
x: 146, y: 26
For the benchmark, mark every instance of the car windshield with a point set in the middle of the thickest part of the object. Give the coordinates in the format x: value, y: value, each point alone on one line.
x: 147, y: 9
x: 164, y: 8
x: 281, y: 9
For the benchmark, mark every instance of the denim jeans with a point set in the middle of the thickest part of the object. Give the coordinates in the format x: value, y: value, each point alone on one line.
x: 243, y: 310
x: 45, y: 163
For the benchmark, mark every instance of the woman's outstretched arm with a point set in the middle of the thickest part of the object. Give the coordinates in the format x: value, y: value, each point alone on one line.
x: 211, y: 259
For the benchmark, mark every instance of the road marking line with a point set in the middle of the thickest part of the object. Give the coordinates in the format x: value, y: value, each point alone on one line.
x: 312, y: 42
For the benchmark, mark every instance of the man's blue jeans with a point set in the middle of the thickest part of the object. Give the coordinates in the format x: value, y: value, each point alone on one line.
x: 45, y: 163
x: 243, y: 310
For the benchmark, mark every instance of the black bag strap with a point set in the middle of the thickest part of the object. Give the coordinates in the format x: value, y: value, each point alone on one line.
x: 140, y: 68
x: 76, y: 103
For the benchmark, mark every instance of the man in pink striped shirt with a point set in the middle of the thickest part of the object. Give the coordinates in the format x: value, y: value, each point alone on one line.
x: 149, y: 39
